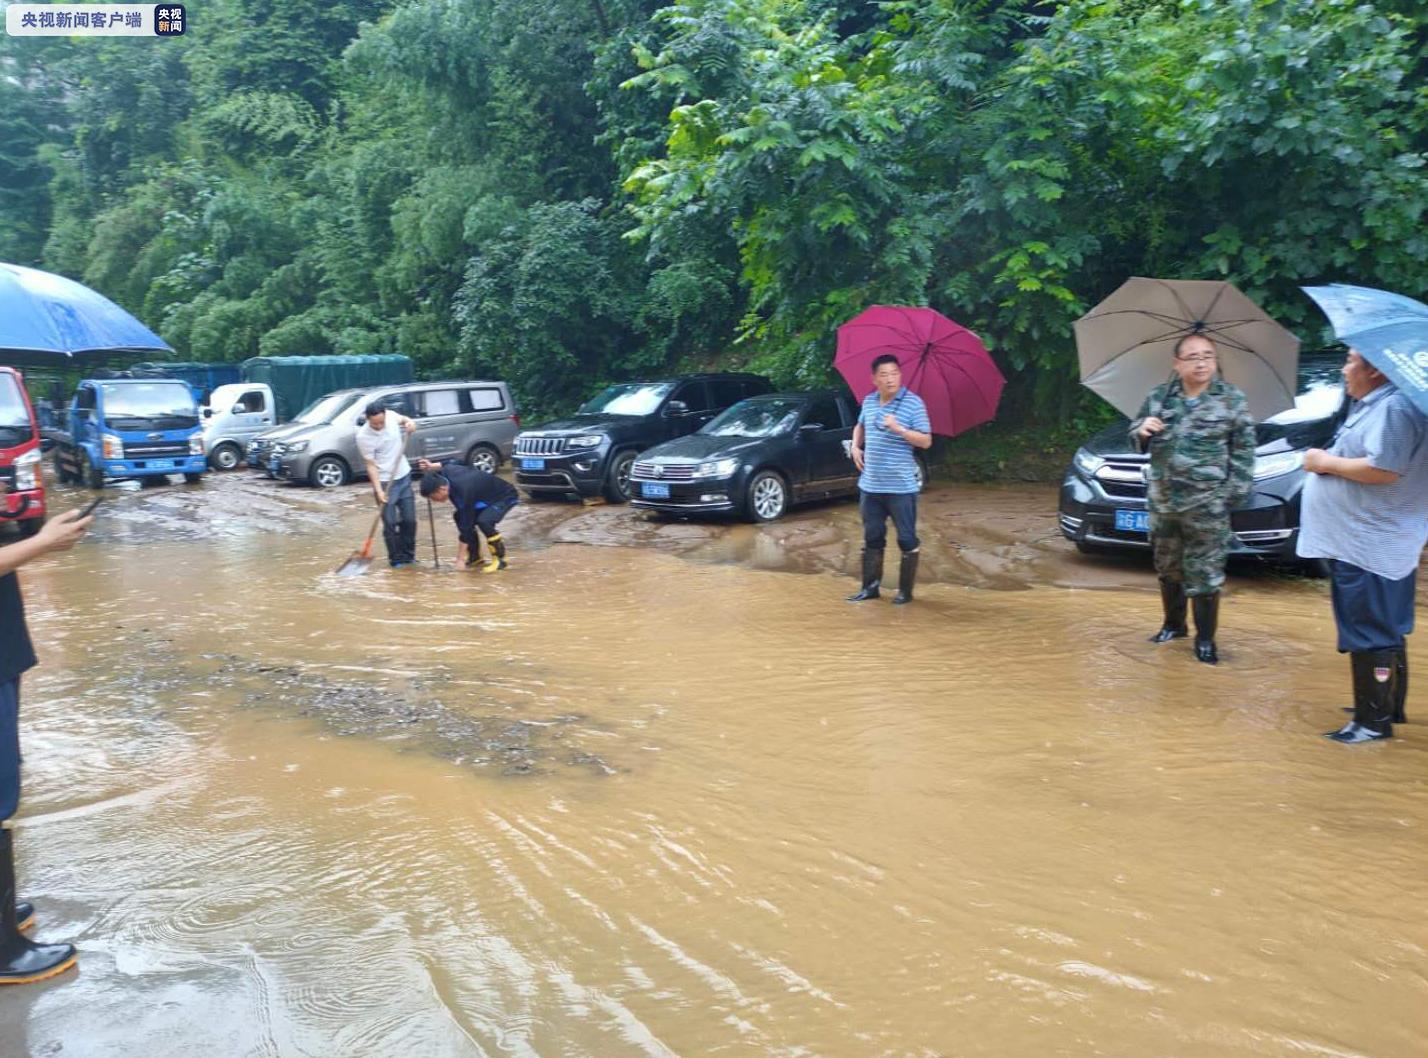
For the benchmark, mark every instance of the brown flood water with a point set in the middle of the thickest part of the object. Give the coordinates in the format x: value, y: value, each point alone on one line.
x: 658, y: 791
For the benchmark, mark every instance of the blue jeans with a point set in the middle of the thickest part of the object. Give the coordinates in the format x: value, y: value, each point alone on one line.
x: 878, y: 507
x: 399, y: 524
x: 9, y: 748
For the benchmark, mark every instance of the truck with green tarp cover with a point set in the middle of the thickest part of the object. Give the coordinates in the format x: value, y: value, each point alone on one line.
x: 297, y: 381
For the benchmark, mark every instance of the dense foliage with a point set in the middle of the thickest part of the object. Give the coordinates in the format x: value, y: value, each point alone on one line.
x: 562, y: 192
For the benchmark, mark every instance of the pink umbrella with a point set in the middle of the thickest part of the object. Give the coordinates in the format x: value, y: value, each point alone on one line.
x: 942, y: 362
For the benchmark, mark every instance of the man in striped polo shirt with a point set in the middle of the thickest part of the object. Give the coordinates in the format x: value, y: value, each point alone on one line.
x: 893, y: 422
x: 1365, y: 509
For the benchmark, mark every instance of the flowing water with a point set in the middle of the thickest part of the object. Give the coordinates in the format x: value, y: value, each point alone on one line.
x: 656, y: 790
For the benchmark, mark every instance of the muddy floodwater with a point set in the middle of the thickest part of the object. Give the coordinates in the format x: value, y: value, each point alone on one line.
x: 657, y: 790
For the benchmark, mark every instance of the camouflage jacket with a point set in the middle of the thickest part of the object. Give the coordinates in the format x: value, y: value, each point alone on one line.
x: 1205, y: 456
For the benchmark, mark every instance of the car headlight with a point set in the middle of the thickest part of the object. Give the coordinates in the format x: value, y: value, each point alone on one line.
x: 113, y: 447
x: 27, y: 469
x: 1277, y: 464
x: 590, y: 440
x: 717, y: 468
x: 1086, y: 462
x: 195, y: 445
x: 295, y: 447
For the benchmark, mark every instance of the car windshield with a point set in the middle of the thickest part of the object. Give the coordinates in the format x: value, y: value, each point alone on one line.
x: 149, y: 400
x: 14, y: 413
x: 325, y: 409
x: 634, y: 398
x: 756, y: 418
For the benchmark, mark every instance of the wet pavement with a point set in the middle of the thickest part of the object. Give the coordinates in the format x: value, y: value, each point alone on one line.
x: 657, y: 790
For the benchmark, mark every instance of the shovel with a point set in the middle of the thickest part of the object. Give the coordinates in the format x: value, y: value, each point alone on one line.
x: 359, y: 560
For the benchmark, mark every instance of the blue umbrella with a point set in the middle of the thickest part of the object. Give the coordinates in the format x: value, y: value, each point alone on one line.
x: 1390, y: 331
x: 44, y: 316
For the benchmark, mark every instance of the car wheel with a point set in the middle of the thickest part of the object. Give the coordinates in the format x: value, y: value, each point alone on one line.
x: 29, y: 527
x: 924, y: 475
x: 617, y: 482
x: 484, y: 457
x: 193, y: 479
x: 88, y: 474
x: 63, y: 476
x: 328, y: 473
x: 225, y: 457
x: 1318, y: 568
x: 767, y: 497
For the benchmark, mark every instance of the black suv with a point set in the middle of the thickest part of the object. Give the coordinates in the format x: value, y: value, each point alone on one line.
x: 591, y: 452
x: 756, y: 458
x: 1103, y: 494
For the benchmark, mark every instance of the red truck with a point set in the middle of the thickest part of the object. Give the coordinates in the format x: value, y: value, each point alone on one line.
x: 20, y: 467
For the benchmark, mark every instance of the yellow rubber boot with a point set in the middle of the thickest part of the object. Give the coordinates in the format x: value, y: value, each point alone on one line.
x: 498, y: 554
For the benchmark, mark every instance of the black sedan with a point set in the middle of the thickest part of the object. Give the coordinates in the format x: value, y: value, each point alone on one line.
x: 755, y: 459
x: 1103, y: 507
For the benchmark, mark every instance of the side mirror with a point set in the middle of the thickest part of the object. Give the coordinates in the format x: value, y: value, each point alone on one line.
x: 207, y: 412
x: 676, y: 407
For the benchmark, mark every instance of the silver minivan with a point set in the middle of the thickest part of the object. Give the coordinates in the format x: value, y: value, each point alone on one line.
x: 475, y: 422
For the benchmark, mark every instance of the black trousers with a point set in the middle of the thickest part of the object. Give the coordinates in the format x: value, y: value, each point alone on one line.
x: 878, y: 507
x: 399, y: 524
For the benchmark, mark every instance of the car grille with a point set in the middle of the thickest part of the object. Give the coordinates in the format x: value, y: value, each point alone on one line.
x: 159, y: 450
x: 539, y: 446
x: 664, y: 471
x: 1122, y: 479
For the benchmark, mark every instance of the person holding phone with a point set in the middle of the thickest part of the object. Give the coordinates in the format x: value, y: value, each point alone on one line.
x: 1201, y: 439
x: 21, y: 959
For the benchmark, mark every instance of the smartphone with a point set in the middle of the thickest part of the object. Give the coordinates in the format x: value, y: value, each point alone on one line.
x: 89, y: 509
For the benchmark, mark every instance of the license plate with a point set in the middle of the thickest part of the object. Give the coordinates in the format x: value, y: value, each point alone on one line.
x: 532, y: 464
x: 654, y: 491
x: 1133, y: 521
x: 160, y: 464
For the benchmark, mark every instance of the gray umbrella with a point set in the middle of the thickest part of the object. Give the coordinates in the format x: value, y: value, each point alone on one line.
x: 1126, y: 343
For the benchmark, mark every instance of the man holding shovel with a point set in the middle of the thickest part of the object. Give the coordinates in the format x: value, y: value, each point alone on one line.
x: 480, y: 500
x: 381, y: 440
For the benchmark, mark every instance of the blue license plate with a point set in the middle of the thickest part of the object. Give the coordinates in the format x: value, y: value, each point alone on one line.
x: 532, y: 464
x: 1133, y: 521
x: 653, y: 491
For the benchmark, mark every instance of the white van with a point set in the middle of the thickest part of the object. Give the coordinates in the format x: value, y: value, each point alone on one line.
x: 236, y: 413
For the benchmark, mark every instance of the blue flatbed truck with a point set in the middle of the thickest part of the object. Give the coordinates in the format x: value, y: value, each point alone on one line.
x: 129, y: 428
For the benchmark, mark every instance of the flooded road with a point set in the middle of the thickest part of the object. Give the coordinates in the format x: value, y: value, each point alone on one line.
x: 657, y: 790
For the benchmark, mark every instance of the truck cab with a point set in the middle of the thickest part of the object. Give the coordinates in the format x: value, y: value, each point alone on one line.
x: 236, y: 414
x: 20, y: 469
x: 130, y: 428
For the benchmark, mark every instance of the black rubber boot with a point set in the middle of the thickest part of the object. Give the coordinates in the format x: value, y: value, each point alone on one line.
x: 1400, y: 688
x: 906, y: 577
x: 1172, y: 601
x: 1207, y: 618
x: 1373, y: 698
x: 872, y: 575
x: 21, y: 959
x: 24, y: 915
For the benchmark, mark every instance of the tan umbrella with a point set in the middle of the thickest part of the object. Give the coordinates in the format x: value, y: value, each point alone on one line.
x: 1126, y: 343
